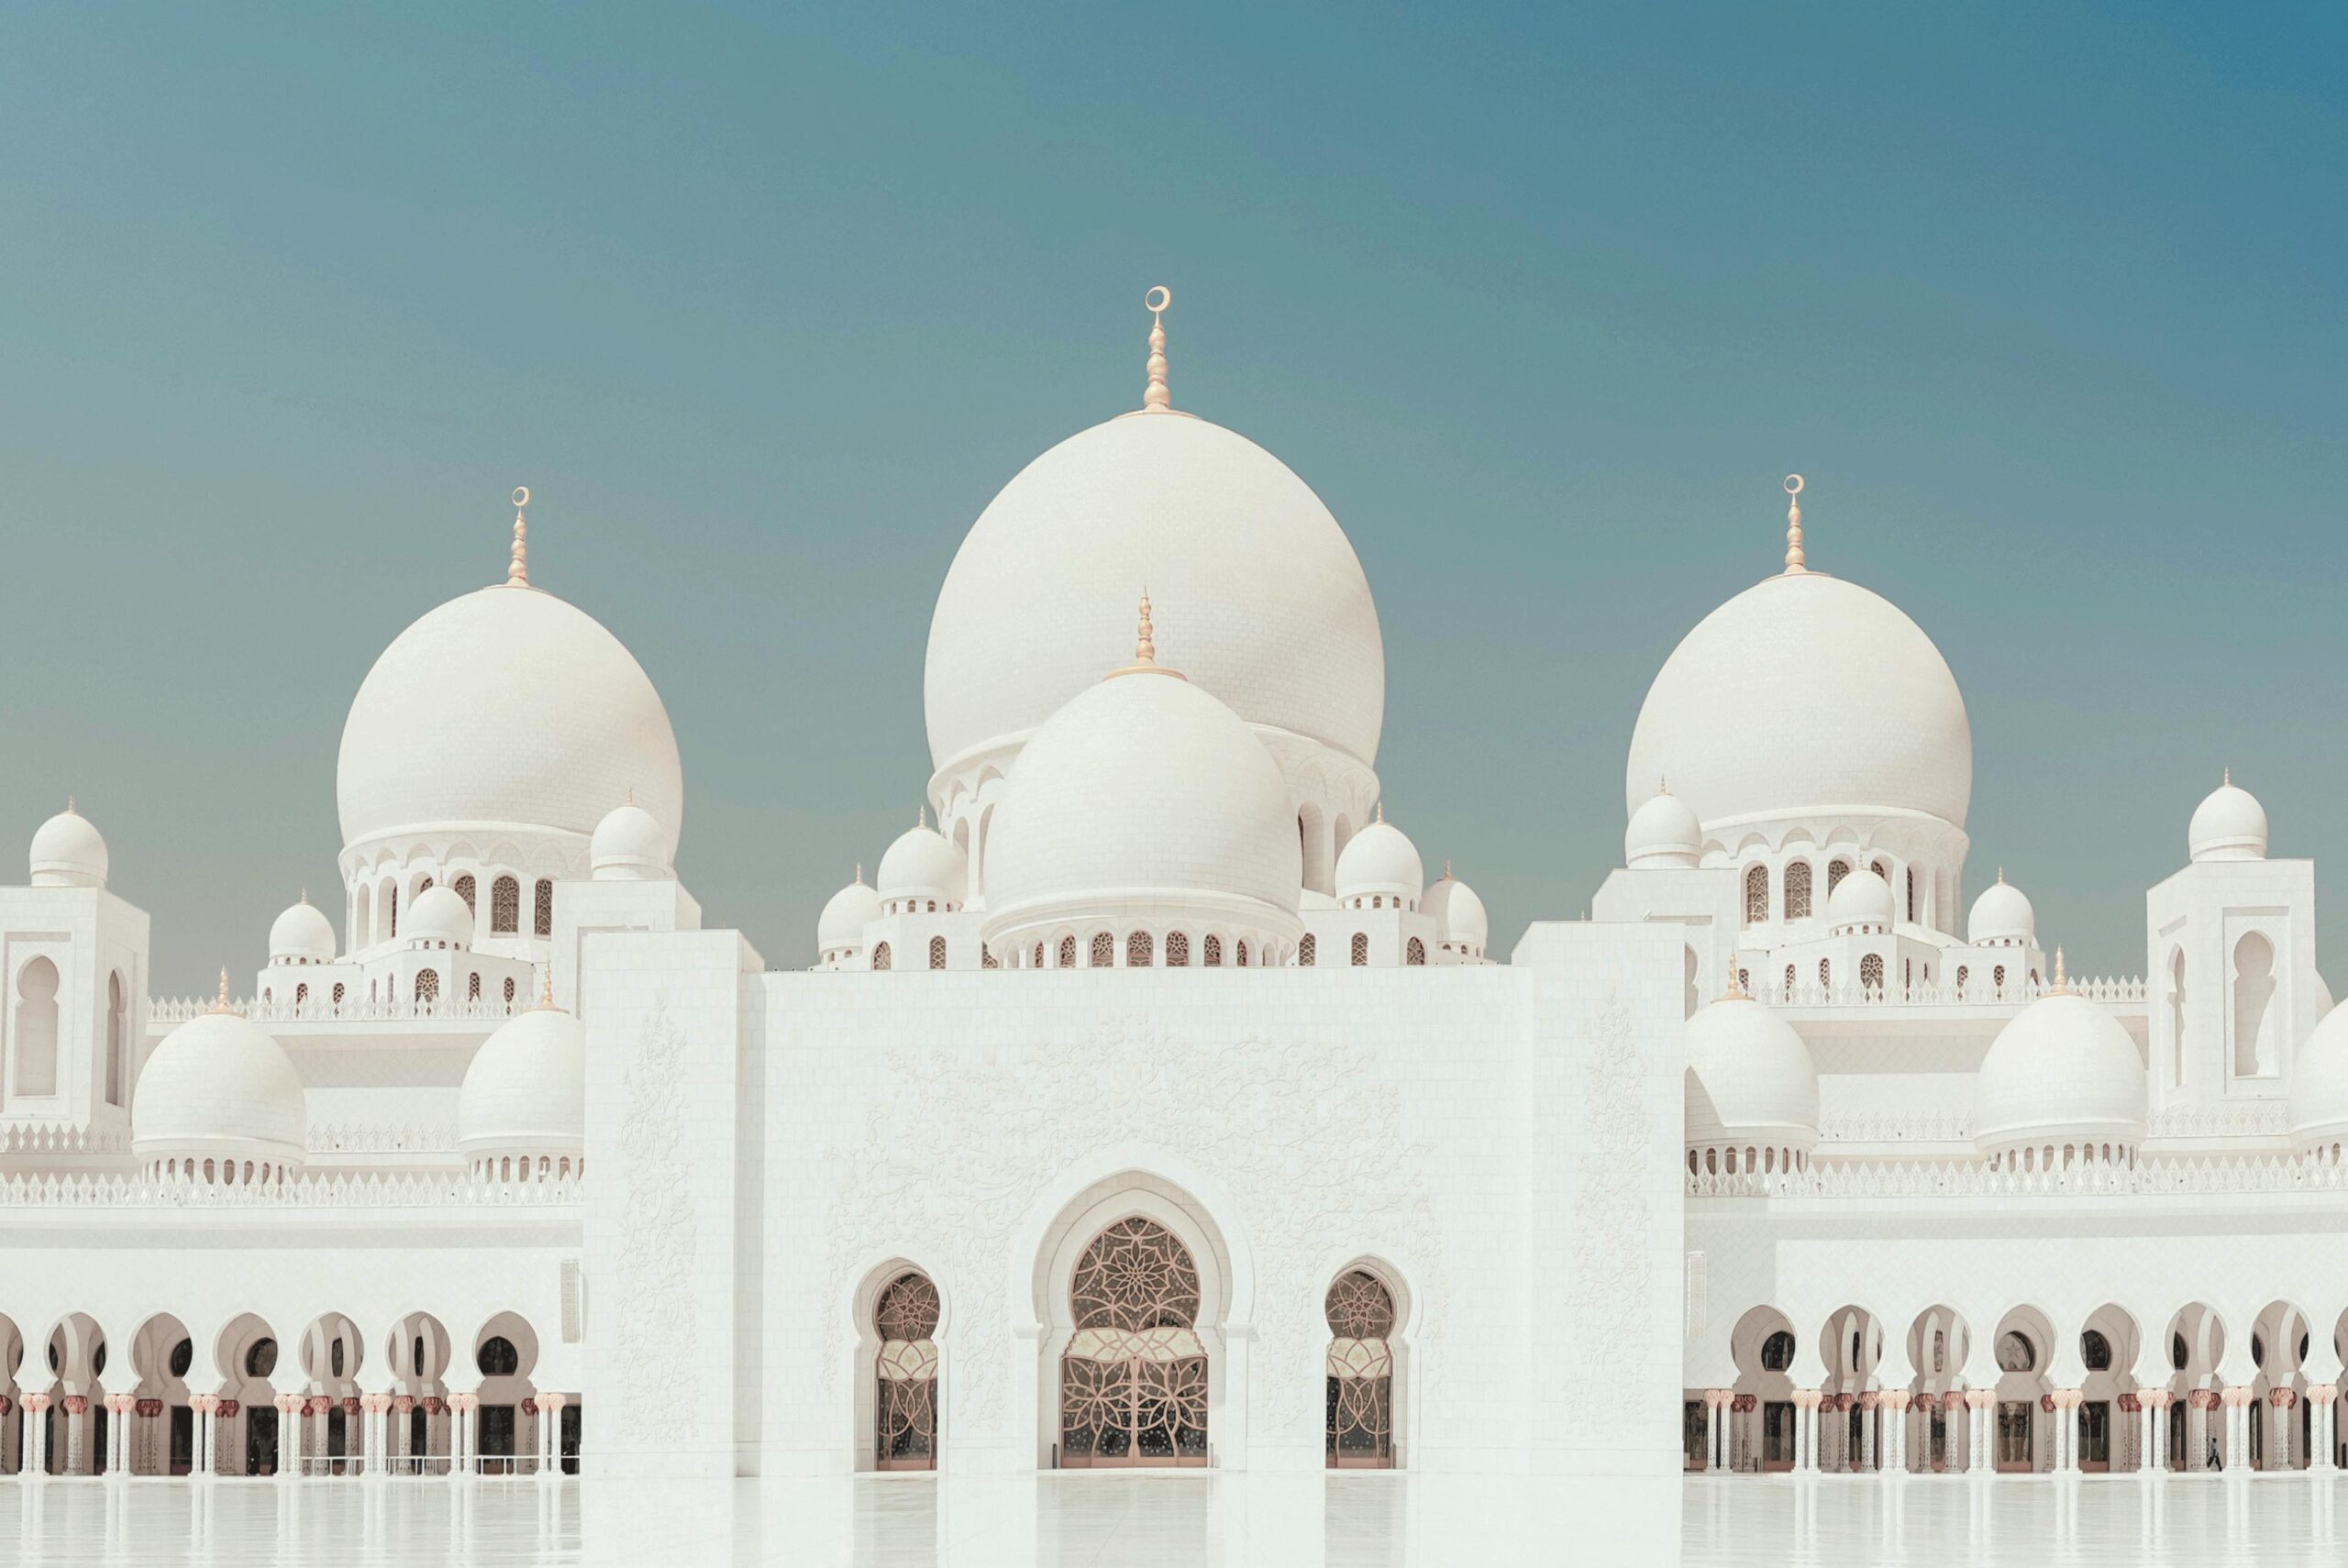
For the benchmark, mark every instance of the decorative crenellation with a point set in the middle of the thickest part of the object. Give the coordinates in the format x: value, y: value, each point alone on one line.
x: 61, y: 1138
x: 1969, y: 1179
x: 371, y: 1139
x: 433, y: 1189
x: 1897, y: 1127
x: 1977, y: 992
x: 180, y: 1010
x: 2243, y: 1118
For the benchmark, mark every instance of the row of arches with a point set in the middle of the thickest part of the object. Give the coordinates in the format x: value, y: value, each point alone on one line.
x: 1135, y: 1366
x: 2105, y: 1392
x: 1143, y: 950
x: 35, y: 1022
x: 79, y: 1406
x: 375, y: 909
x: 1799, y: 898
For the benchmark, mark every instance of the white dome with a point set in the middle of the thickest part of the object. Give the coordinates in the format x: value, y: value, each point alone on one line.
x: 844, y: 916
x: 525, y: 1091
x: 2063, y: 1071
x: 629, y: 847
x: 505, y: 708
x: 439, y: 916
x: 1750, y: 1077
x: 1380, y: 859
x: 2319, y: 1084
x: 219, y: 1086
x: 1458, y: 912
x: 1147, y: 796
x: 1281, y: 626
x: 1663, y: 833
x: 921, y: 864
x: 2001, y: 915
x: 303, y: 933
x: 68, y: 852
x: 1805, y: 696
x: 2229, y: 825
x: 1860, y: 898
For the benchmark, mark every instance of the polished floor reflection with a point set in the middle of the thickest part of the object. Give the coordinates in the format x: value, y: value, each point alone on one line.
x: 1343, y: 1520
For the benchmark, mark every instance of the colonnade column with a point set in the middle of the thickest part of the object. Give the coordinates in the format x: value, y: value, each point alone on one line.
x: 36, y: 1406
x: 1806, y: 1402
x: 2322, y: 1395
x: 550, y: 1407
x: 1894, y: 1432
x: 1713, y: 1399
x: 2237, y: 1454
x: 1979, y: 1401
x: 1870, y: 1406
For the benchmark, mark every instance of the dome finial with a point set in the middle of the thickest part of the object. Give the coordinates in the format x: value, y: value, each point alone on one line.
x: 2001, y: 876
x: 1156, y: 399
x: 1735, y: 987
x: 921, y: 815
x: 70, y: 810
x: 546, y: 987
x: 1145, y: 648
x: 517, y: 570
x: 221, y: 1004
x: 2226, y: 778
x: 1794, y: 559
x: 859, y: 873
x: 2062, y: 987
x: 1381, y: 813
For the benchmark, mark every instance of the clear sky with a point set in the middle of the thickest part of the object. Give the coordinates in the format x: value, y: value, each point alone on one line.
x: 766, y: 302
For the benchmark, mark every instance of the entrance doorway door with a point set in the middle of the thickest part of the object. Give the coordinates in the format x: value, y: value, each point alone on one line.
x: 260, y: 1440
x: 2016, y: 1454
x: 1777, y: 1435
x: 2095, y: 1436
x: 497, y: 1440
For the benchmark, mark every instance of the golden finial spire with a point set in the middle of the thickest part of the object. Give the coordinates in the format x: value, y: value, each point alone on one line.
x: 2228, y: 778
x: 1156, y: 399
x: 1794, y: 559
x: 1447, y: 868
x: 1733, y: 989
x: 2060, y: 987
x: 71, y: 807
x: 2001, y: 876
x: 546, y: 987
x: 1381, y: 813
x: 859, y: 873
x: 517, y: 570
x: 921, y: 815
x: 1145, y: 648
x: 221, y: 1004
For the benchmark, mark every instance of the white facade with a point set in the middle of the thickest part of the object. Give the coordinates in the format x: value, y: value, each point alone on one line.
x: 532, y: 1164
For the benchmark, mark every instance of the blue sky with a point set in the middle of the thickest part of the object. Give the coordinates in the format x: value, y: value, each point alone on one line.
x: 766, y: 302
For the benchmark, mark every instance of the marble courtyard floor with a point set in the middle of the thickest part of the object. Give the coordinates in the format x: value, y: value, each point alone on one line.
x: 1074, y: 1521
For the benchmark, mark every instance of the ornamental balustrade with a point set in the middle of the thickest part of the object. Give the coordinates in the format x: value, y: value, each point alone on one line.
x: 1977, y: 992
x: 2187, y: 1176
x: 374, y: 1140
x: 180, y: 1010
x: 55, y: 1138
x: 425, y: 1189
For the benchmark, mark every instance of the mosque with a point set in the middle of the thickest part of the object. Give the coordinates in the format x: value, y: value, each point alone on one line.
x: 505, y: 1159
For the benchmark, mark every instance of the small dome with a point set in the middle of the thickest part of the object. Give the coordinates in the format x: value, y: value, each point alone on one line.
x: 2229, y: 825
x: 68, y: 852
x: 1144, y: 797
x: 303, y: 933
x: 629, y: 847
x: 2319, y: 1084
x: 922, y: 865
x: 1663, y: 833
x: 845, y: 915
x: 1380, y: 859
x: 219, y: 1086
x: 1750, y: 1077
x: 1458, y: 912
x: 2001, y: 915
x: 439, y: 916
x: 525, y: 1091
x: 1860, y: 898
x: 2063, y: 1071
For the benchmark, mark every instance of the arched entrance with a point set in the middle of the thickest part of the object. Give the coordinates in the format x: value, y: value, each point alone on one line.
x: 1360, y: 1431
x: 2110, y: 1414
x: 420, y: 1354
x: 2279, y: 1427
x: 2197, y: 1346
x: 2021, y: 1436
x: 1938, y: 1343
x: 904, y: 1409
x: 1134, y: 1377
x: 1849, y: 1434
x: 1762, y: 1427
x: 163, y: 1431
x: 245, y: 1431
x: 506, y: 1425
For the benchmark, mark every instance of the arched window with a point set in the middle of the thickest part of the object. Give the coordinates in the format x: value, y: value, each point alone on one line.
x: 1213, y: 959
x: 464, y: 886
x: 1997, y: 980
x: 1133, y: 1377
x: 1964, y: 973
x: 1137, y: 950
x: 1103, y: 950
x: 391, y: 910
x: 1361, y: 948
x: 904, y: 1409
x: 1757, y: 895
x: 300, y: 996
x: 2095, y: 1352
x: 938, y: 953
x: 987, y: 960
x: 117, y: 1036
x: 1177, y: 949
x: 1068, y: 953
x: 1789, y: 982
x: 497, y: 1357
x: 1871, y: 971
x: 1416, y: 953
x: 1241, y: 948
x: 505, y: 906
x: 1836, y: 870
x: 1798, y: 891
x: 879, y: 956
x: 337, y: 992
x: 1360, y: 1430
x: 1777, y: 1351
x: 1307, y: 951
x: 509, y: 990
x: 1911, y: 895
x: 37, y: 1028
x: 544, y: 924
x: 1825, y: 975
x: 428, y: 987
x: 1037, y: 961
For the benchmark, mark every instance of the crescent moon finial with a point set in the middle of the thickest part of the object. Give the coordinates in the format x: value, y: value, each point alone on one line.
x: 517, y: 565
x: 1796, y: 560
x: 1155, y: 399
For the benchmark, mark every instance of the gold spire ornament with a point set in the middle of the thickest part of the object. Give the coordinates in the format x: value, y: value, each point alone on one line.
x: 1155, y: 399
x: 1145, y: 648
x: 517, y: 568
x: 1735, y: 989
x: 2060, y: 987
x: 545, y: 988
x: 1796, y: 561
x: 221, y: 1005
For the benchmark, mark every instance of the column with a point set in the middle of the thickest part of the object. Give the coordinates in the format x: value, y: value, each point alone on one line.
x: 1713, y: 1429
x: 2322, y: 1395
x: 403, y: 1405
x: 36, y: 1407
x: 1870, y: 1412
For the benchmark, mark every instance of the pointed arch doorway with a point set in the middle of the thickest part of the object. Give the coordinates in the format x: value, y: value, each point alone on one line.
x: 1134, y: 1389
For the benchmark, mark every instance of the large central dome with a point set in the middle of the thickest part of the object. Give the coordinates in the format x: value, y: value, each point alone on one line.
x: 505, y: 707
x: 1805, y: 696
x: 1276, y: 618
